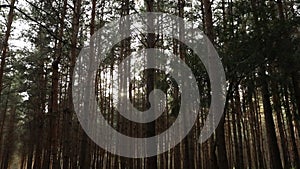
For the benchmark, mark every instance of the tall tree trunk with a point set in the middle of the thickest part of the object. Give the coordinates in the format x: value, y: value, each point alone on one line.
x: 5, y: 42
x: 39, y: 114
x: 151, y: 161
x: 275, y: 161
x: 208, y: 20
x: 54, y: 99
x: 85, y: 154
x: 209, y: 32
x: 277, y: 108
x: 220, y: 136
x: 296, y: 84
x: 69, y: 111
x: 10, y: 137
x: 253, y: 126
x: 295, y: 153
x: 221, y: 145
x: 220, y: 133
x: 235, y: 137
x: 238, y: 110
x: 3, y: 118
x: 270, y: 127
x: 4, y: 55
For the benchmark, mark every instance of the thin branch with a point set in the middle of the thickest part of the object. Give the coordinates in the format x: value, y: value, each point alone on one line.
x: 35, y: 6
x: 5, y: 6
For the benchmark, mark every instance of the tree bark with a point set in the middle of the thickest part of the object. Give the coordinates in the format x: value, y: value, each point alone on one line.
x: 270, y: 127
x: 220, y: 136
x: 277, y: 108
x: 151, y: 161
x: 295, y: 153
x: 5, y: 42
x: 238, y: 111
x: 296, y: 84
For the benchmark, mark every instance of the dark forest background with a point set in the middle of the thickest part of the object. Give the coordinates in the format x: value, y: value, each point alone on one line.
x: 258, y: 43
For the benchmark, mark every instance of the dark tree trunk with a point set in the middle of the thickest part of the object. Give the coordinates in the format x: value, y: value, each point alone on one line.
x: 296, y: 84
x: 295, y: 153
x: 277, y: 108
x: 238, y: 110
x: 151, y: 161
x: 220, y: 137
x: 5, y: 42
x: 270, y: 127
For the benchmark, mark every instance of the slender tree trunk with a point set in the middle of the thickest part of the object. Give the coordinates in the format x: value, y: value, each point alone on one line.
x: 3, y: 119
x: 208, y: 20
x: 220, y: 133
x: 235, y: 137
x: 253, y: 127
x: 270, y: 127
x: 275, y: 160
x: 151, y: 161
x: 5, y: 42
x: 30, y: 153
x: 220, y: 136
x: 55, y: 115
x: 39, y: 116
x: 295, y: 153
x: 221, y: 145
x: 277, y: 108
x: 55, y: 112
x: 85, y: 154
x: 240, y: 158
x: 296, y: 84
x: 4, y: 55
